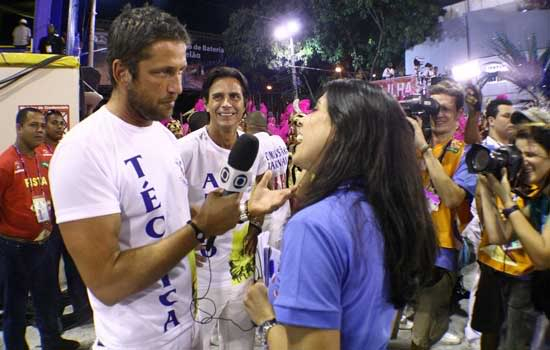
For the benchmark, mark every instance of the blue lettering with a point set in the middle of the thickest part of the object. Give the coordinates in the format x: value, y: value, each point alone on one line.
x: 164, y: 298
x: 171, y: 319
x: 150, y: 227
x: 166, y: 281
x: 148, y: 200
x: 210, y: 178
x: 135, y: 163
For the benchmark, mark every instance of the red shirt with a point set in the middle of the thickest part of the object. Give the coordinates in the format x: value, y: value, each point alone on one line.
x: 21, y: 178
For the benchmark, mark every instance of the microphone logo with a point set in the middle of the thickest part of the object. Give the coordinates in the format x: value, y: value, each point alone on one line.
x: 240, y: 181
x: 224, y: 174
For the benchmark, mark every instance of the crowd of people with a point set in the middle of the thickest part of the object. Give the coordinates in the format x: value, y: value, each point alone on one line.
x: 377, y: 222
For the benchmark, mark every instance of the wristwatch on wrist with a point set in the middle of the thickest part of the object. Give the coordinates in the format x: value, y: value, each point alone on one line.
x: 508, y: 211
x: 243, y: 212
x: 199, y: 235
x: 265, y: 327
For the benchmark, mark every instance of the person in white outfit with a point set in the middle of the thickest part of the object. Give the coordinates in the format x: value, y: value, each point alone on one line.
x: 223, y: 279
x: 275, y: 152
x: 21, y: 35
x: 120, y: 193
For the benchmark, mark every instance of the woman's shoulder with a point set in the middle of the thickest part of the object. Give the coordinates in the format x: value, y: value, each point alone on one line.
x: 334, y: 210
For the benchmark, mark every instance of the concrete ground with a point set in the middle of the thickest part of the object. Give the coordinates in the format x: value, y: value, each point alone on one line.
x: 85, y: 334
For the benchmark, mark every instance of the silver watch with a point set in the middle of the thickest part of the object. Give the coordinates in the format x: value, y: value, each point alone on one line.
x: 265, y: 327
x: 243, y: 212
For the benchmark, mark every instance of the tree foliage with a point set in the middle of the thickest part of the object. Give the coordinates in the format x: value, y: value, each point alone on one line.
x: 361, y: 34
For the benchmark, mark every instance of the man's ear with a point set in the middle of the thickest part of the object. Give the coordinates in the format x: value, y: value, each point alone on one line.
x: 490, y: 121
x: 121, y: 73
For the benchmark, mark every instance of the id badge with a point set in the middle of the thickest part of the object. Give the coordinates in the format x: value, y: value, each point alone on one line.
x: 40, y: 206
x: 433, y: 200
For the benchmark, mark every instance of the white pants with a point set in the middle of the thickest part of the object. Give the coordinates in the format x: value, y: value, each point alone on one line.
x: 181, y: 342
x: 228, y: 306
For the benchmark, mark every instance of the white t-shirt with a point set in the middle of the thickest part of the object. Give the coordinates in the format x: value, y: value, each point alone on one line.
x: 276, y: 155
x: 203, y: 159
x: 21, y: 35
x: 107, y: 166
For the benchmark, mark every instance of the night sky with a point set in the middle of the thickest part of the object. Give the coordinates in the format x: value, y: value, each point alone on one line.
x: 211, y: 16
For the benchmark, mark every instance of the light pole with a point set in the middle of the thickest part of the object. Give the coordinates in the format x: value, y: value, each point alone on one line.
x: 284, y: 31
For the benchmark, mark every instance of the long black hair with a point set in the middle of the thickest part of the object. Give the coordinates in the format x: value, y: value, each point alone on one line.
x: 372, y: 141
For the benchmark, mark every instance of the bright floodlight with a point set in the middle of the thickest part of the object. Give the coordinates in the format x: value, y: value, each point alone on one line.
x: 287, y: 30
x: 338, y: 69
x: 466, y: 71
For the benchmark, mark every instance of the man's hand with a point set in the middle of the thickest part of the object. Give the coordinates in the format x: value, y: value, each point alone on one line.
x: 251, y: 241
x: 419, y: 139
x: 218, y: 213
x: 257, y: 304
x: 473, y: 99
x: 263, y: 200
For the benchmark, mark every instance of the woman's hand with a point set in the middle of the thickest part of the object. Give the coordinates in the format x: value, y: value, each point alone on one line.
x: 501, y: 189
x: 263, y: 200
x: 257, y: 304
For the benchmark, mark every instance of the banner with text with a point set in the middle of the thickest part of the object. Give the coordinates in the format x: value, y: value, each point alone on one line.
x: 399, y: 87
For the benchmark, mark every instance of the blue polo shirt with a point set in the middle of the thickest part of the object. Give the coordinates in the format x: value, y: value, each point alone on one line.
x: 332, y: 273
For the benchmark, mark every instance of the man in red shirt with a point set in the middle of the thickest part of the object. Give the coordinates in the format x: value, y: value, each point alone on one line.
x: 76, y: 290
x: 25, y: 227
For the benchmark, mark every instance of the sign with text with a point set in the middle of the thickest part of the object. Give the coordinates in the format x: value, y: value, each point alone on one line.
x: 399, y: 87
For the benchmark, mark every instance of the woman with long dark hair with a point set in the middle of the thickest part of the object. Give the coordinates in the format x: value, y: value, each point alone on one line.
x: 362, y: 240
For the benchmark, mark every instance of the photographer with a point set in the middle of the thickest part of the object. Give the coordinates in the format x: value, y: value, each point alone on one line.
x: 530, y: 225
x: 503, y: 289
x: 447, y: 185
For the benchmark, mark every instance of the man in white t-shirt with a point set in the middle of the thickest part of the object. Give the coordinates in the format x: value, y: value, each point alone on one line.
x: 276, y: 154
x: 120, y: 194
x: 21, y: 35
x: 204, y: 152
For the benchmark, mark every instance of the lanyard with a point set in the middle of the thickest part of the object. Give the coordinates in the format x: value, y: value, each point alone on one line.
x: 440, y: 159
x: 22, y: 161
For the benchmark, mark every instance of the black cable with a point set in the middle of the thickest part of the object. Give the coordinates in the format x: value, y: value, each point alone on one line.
x: 4, y: 83
x: 210, y: 316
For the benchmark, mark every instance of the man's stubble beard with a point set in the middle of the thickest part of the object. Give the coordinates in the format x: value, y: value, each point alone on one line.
x: 144, y: 110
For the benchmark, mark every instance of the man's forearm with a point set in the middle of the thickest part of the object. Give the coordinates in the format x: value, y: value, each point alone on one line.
x: 136, y: 269
x: 450, y: 193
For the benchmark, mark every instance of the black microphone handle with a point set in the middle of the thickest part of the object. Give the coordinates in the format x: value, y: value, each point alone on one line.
x: 210, y: 241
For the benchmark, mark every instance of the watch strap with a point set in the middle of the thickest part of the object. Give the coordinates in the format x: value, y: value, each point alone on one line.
x: 508, y: 211
x: 199, y: 234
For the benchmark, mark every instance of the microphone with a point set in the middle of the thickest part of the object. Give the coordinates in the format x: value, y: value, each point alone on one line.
x: 235, y: 176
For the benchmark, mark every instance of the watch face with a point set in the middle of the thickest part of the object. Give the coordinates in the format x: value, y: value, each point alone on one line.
x: 200, y: 236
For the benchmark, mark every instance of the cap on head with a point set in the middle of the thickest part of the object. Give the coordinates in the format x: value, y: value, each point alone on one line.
x: 23, y: 21
x: 533, y: 115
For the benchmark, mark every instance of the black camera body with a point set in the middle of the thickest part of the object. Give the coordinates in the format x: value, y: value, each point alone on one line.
x: 424, y: 107
x: 482, y: 160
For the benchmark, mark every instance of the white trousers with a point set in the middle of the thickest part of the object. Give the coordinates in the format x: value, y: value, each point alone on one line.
x: 229, y: 307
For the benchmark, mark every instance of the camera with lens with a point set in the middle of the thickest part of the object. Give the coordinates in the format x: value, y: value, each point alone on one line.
x: 424, y: 107
x: 480, y: 159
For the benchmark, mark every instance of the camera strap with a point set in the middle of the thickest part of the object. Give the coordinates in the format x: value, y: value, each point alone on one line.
x: 440, y: 159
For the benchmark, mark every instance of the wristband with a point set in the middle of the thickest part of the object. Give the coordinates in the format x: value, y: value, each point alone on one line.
x: 508, y: 211
x: 199, y: 235
x: 424, y: 149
